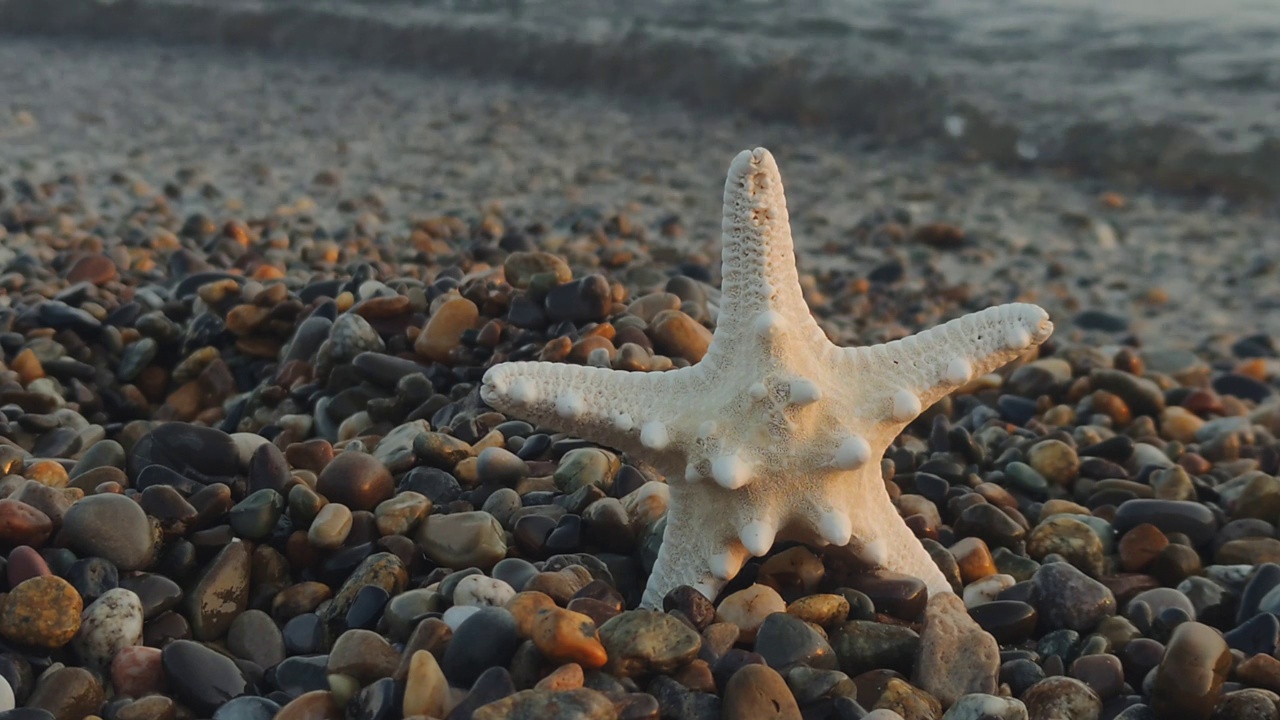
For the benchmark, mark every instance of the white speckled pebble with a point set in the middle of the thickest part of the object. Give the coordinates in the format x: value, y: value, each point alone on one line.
x: 482, y: 591
x: 111, y: 623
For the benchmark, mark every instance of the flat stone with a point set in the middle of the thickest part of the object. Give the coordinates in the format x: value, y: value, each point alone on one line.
x: 221, y: 593
x: 643, y: 641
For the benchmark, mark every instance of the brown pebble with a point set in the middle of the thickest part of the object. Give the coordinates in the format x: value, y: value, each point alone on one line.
x: 1140, y: 546
x: 357, y: 480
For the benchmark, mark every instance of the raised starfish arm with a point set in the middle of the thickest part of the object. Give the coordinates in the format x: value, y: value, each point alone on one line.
x: 760, y: 288
x: 910, y: 374
x: 623, y: 410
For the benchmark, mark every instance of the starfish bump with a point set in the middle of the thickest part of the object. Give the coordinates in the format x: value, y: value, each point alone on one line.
x: 784, y: 434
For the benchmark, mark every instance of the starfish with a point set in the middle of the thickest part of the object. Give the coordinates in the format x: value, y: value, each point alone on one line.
x: 777, y: 433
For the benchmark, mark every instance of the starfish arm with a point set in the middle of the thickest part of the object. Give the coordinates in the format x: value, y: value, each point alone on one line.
x: 684, y: 557
x: 628, y: 411
x: 908, y: 375
x: 760, y: 288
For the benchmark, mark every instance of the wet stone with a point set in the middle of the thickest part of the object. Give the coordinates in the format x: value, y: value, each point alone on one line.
x: 643, y: 641
x: 113, y: 527
x: 383, y: 570
x: 487, y: 639
x: 201, y: 678
x: 42, y: 612
x: 221, y: 593
x: 111, y: 623
x: 356, y: 480
x: 863, y: 645
x: 1189, y: 518
x: 785, y: 640
x: 92, y: 577
x: 1067, y: 598
x: 68, y: 693
x: 254, y: 636
x: 1061, y: 698
x: 758, y: 691
x: 1008, y: 621
x: 460, y: 540
x: 1190, y: 676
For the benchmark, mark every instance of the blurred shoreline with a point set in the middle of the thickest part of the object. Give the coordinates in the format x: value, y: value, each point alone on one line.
x: 1174, y: 103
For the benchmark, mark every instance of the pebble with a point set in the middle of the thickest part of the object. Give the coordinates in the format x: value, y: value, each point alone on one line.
x: 1061, y: 698
x: 486, y: 639
x: 221, y: 592
x: 254, y: 636
x: 863, y: 645
x: 356, y: 480
x: 784, y: 640
x: 1064, y: 597
x: 426, y: 692
x: 443, y: 331
x: 42, y: 612
x: 460, y: 540
x: 364, y: 655
x: 201, y: 678
x: 112, y: 527
x: 979, y: 706
x: 758, y: 691
x: 483, y: 591
x: 110, y: 624
x: 564, y: 636
x: 577, y: 704
x: 137, y: 670
x: 748, y: 608
x: 68, y: 693
x: 331, y: 526
x: 1075, y: 541
x: 638, y: 642
x: 1190, y: 675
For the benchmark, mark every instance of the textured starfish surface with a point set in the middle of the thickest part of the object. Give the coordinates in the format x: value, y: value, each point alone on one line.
x: 776, y: 434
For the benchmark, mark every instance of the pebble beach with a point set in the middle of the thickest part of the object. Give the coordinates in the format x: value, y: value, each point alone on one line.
x: 246, y: 303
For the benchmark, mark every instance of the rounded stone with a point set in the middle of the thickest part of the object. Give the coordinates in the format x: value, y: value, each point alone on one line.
x: 784, y: 640
x: 203, y: 679
x: 356, y: 480
x: 110, y: 526
x: 364, y: 655
x: 487, y: 639
x: 330, y: 527
x: 461, y: 540
x: 42, y: 612
x: 1070, y: 538
x: 444, y: 330
x: 643, y: 641
x: 1067, y: 598
x: 1058, y: 697
x: 110, y: 624
x: 1190, y: 675
x: 758, y: 691
x: 748, y: 608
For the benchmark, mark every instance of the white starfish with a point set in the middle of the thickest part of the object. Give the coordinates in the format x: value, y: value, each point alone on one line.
x: 776, y: 434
